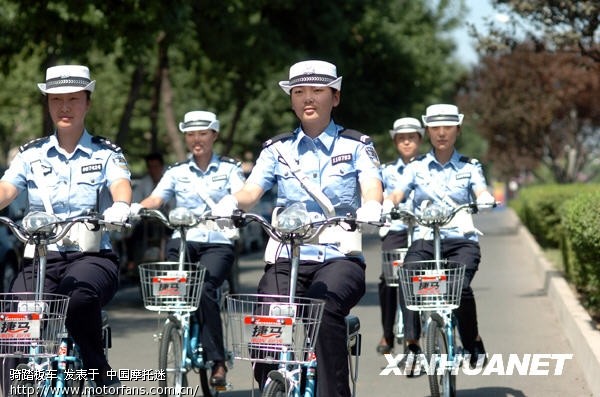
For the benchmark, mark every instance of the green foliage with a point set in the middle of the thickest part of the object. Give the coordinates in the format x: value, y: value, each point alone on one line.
x: 538, y: 208
x: 225, y: 56
x: 580, y: 220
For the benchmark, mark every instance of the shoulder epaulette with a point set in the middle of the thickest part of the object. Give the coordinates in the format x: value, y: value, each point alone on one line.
x: 277, y: 138
x: 356, y: 135
x: 99, y: 140
x: 418, y: 158
x: 37, y: 142
x: 466, y: 159
x: 230, y: 160
x: 178, y: 163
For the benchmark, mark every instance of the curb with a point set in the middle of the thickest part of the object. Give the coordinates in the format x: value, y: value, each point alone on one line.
x: 577, y: 324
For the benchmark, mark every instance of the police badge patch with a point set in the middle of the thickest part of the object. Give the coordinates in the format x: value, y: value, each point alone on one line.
x: 120, y: 161
x: 370, y: 150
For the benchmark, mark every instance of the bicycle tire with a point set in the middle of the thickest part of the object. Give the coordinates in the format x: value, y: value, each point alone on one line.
x: 21, y: 387
x: 443, y: 385
x: 275, y: 388
x: 169, y: 358
x: 399, y: 327
x: 207, y: 389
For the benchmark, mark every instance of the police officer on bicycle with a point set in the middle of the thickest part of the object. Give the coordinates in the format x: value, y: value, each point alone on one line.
x: 445, y: 177
x: 407, y: 135
x: 198, y: 183
x: 66, y: 174
x: 340, y: 165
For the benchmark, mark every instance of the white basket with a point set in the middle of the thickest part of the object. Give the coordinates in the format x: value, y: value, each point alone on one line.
x: 170, y: 288
x: 391, y: 262
x: 427, y: 286
x: 31, y: 325
x: 268, y: 328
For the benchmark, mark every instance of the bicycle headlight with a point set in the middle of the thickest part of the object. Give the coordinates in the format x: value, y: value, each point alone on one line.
x: 293, y: 219
x: 181, y: 217
x: 434, y: 213
x: 38, y: 221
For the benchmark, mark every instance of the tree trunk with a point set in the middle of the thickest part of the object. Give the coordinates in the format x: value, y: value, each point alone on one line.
x: 170, y: 119
x: 137, y: 79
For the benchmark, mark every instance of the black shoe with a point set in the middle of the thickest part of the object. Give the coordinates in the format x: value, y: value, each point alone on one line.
x: 478, y: 357
x: 383, y: 347
x: 218, y: 377
x: 409, y: 362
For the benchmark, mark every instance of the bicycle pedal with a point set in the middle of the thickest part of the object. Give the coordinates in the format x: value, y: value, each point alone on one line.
x: 227, y: 387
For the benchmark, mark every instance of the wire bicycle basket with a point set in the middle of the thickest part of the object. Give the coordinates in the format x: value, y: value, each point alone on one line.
x: 166, y: 288
x: 268, y: 328
x: 391, y: 262
x: 429, y: 287
x: 31, y: 325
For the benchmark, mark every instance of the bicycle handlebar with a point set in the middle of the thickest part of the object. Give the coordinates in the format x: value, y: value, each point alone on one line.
x: 178, y: 218
x: 434, y: 215
x: 302, y: 231
x: 41, y: 227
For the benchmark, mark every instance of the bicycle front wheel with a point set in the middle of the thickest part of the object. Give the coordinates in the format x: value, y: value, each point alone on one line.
x: 207, y: 389
x: 275, y: 388
x: 170, y: 358
x: 442, y: 382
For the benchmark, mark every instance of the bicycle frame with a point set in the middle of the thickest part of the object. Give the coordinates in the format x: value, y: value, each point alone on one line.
x: 67, y: 354
x: 288, y: 377
x: 191, y: 351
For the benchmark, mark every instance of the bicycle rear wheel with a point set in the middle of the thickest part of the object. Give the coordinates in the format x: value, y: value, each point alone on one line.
x: 170, y: 358
x: 436, y: 346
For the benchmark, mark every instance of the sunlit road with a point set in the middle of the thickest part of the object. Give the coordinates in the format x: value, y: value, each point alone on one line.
x: 515, y: 317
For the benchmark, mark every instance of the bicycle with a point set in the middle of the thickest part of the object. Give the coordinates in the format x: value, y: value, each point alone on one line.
x: 175, y: 288
x: 391, y: 262
x: 33, y: 323
x: 434, y: 287
x: 282, y: 329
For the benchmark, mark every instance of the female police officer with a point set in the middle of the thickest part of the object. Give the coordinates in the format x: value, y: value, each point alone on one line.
x: 407, y: 134
x: 66, y: 174
x: 445, y: 177
x: 343, y: 165
x: 198, y: 183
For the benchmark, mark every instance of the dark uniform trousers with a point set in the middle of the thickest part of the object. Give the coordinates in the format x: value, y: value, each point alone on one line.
x: 387, y: 295
x: 218, y: 260
x: 91, y: 280
x: 341, y: 284
x: 456, y: 250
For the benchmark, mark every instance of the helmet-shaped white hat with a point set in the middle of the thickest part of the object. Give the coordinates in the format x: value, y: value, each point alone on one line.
x: 199, y: 120
x: 64, y: 79
x: 312, y: 73
x: 442, y: 114
x: 406, y: 125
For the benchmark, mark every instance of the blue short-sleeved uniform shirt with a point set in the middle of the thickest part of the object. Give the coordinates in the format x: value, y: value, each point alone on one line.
x: 183, y: 180
x: 449, y: 184
x: 390, y: 173
x: 336, y: 161
x: 75, y: 182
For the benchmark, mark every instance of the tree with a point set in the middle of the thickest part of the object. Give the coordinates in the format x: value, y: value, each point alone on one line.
x: 537, y: 108
x: 558, y: 25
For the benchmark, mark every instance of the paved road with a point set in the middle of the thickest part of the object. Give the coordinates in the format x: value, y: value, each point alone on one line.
x: 515, y: 317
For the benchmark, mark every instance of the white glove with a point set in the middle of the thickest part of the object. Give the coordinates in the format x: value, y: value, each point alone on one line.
x: 225, y: 206
x: 369, y: 212
x: 485, y: 200
x: 118, y: 212
x: 134, y: 209
x: 387, y: 206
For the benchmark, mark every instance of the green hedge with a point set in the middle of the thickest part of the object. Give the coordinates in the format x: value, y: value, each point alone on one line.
x: 538, y: 208
x: 580, y: 219
x: 567, y: 217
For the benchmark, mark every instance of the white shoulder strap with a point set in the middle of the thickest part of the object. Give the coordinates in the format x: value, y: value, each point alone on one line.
x: 311, y: 188
x: 38, y: 177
